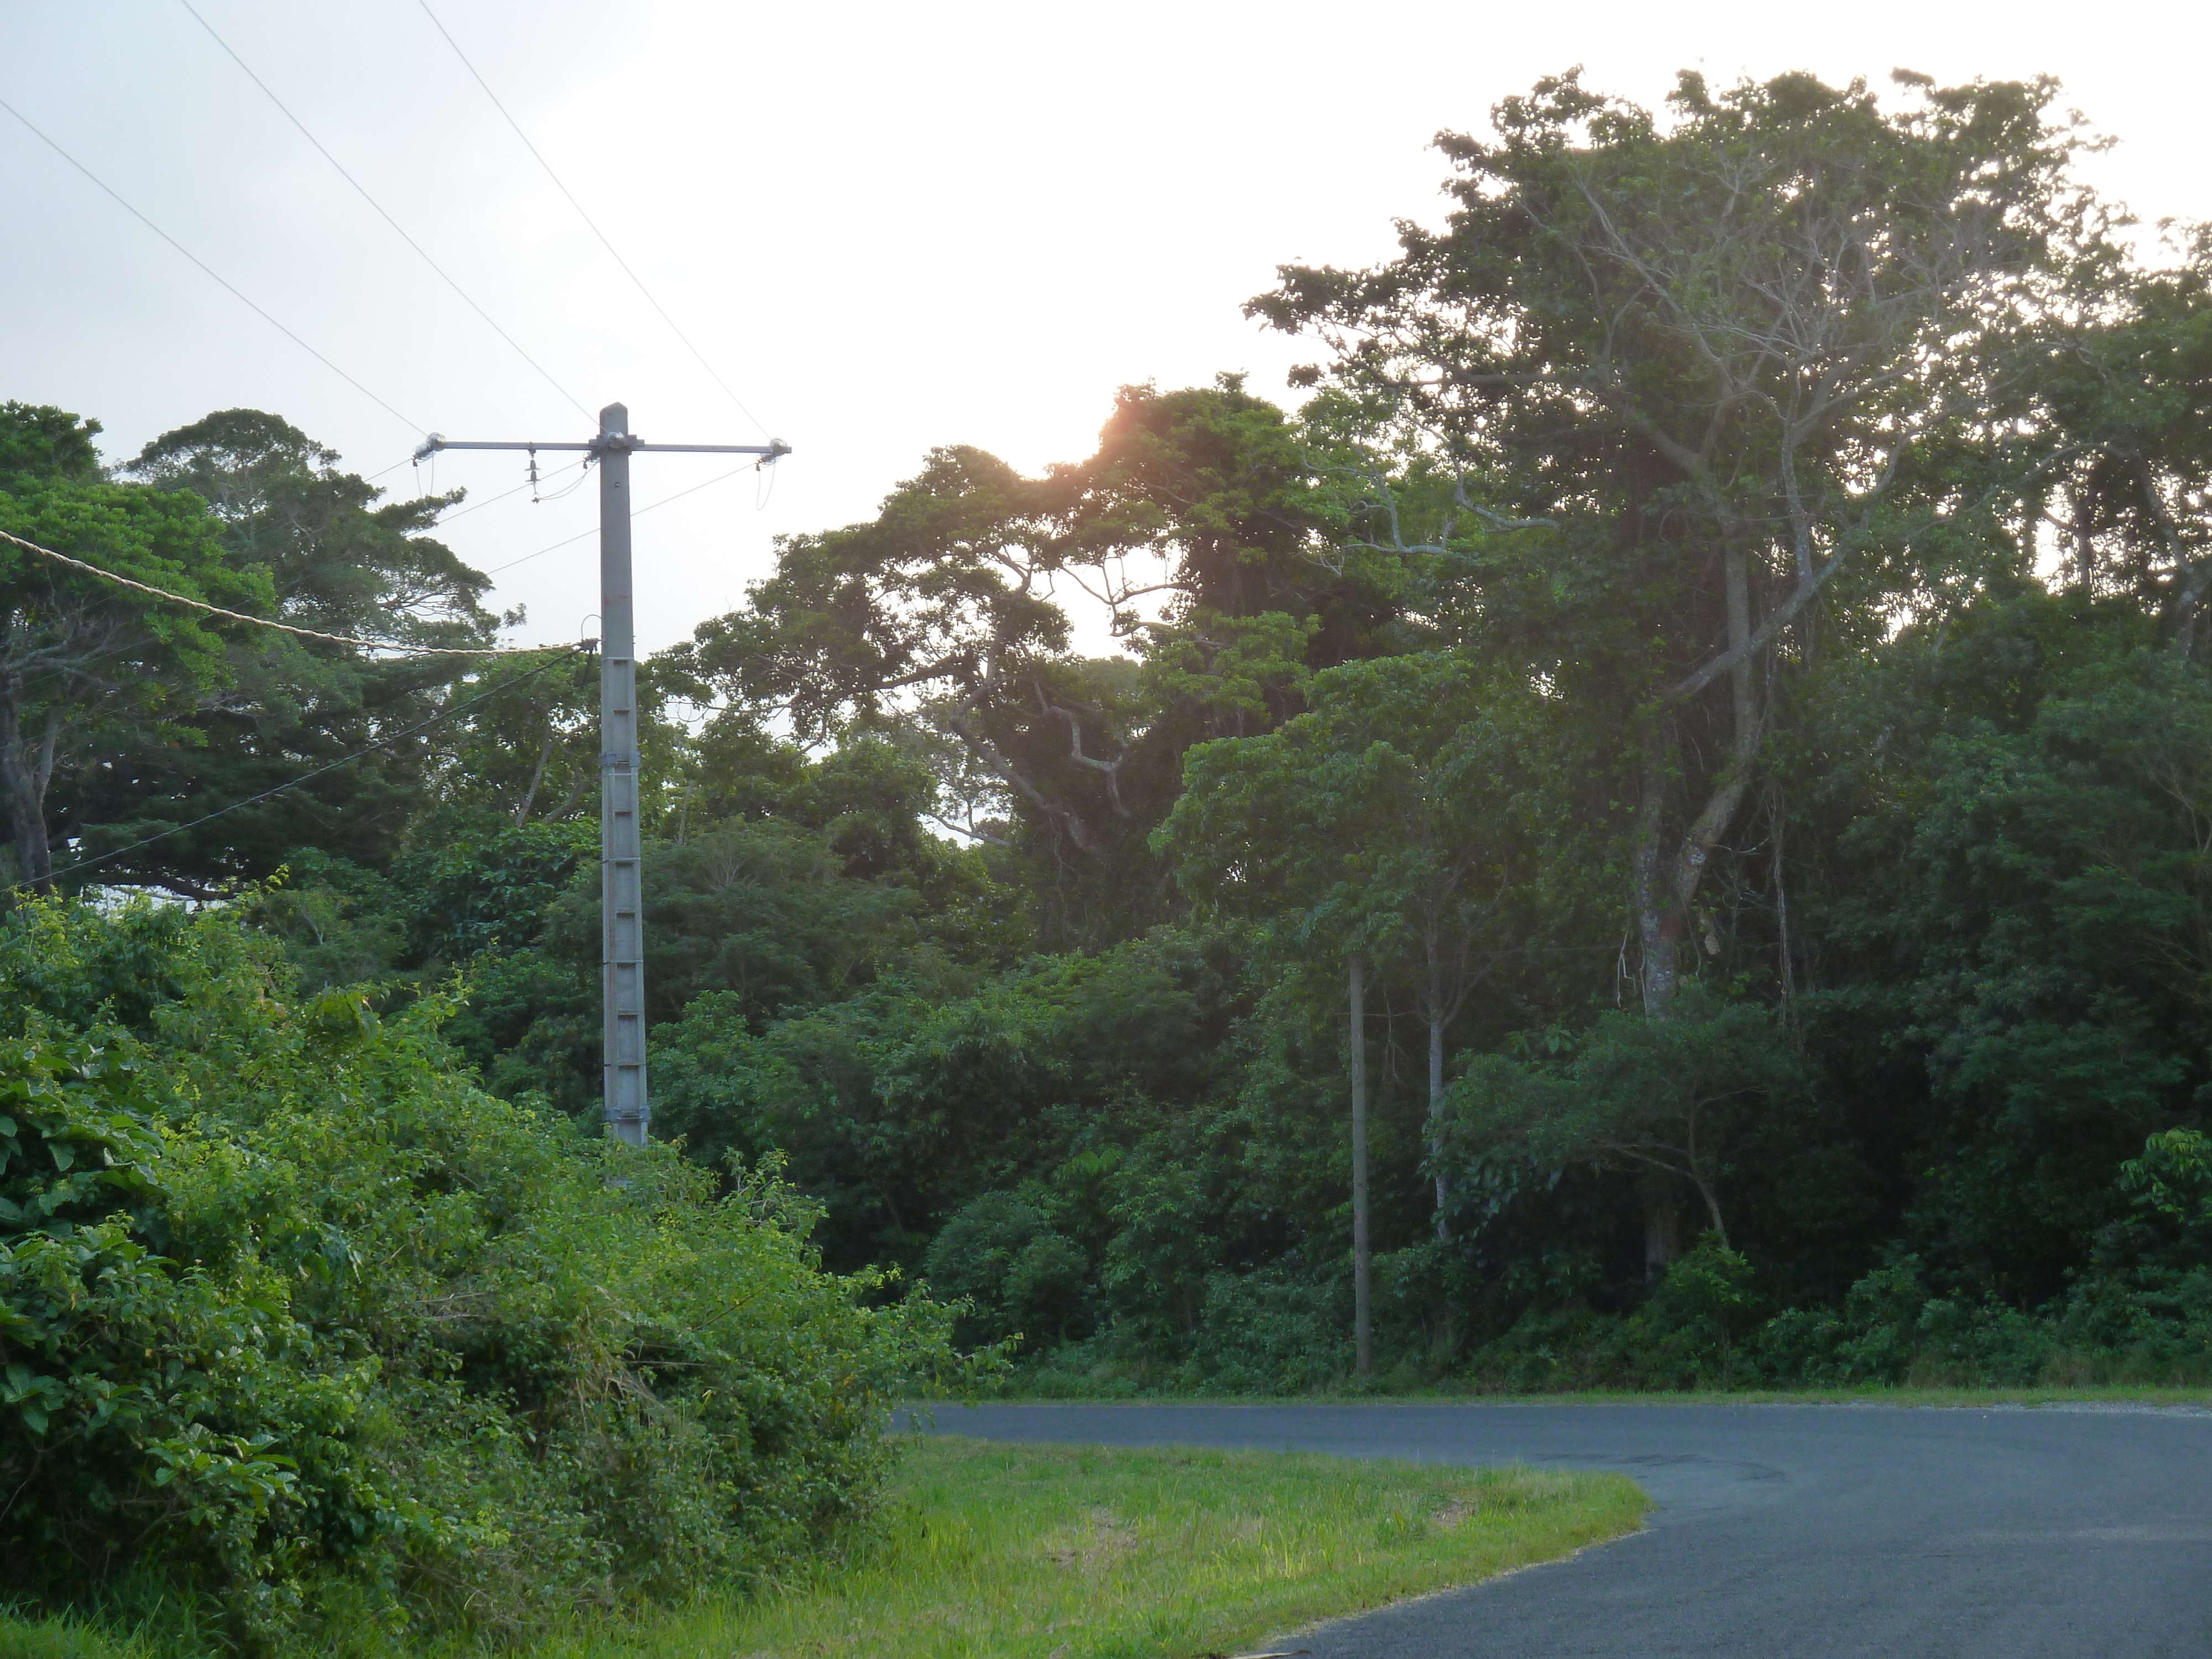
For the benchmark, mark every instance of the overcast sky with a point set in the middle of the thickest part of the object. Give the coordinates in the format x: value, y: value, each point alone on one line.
x: 886, y: 227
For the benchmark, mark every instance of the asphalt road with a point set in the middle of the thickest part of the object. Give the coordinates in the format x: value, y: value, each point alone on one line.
x: 1781, y: 1532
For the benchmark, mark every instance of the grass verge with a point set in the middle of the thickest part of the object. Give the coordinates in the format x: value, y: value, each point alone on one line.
x: 1000, y: 1551
x: 60, y: 1638
x: 1081, y: 1553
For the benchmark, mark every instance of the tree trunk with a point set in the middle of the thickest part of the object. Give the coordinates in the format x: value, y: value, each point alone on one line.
x: 1658, y: 927
x: 1077, y: 829
x: 1663, y: 897
x: 1446, y: 1331
x: 23, y: 788
x: 537, y: 777
x: 1784, y: 962
x: 1662, y: 1232
x: 1362, y: 1329
x: 1437, y: 1124
x: 1713, y: 1210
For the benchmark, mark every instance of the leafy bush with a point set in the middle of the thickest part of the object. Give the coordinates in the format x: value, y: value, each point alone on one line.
x: 1274, y: 1331
x: 298, y: 1321
x: 1000, y: 1254
x: 1690, y: 1333
x: 2142, y: 1313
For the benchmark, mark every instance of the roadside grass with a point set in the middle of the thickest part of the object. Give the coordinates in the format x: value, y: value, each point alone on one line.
x: 30, y: 1638
x: 1028, y: 1552
x: 991, y: 1551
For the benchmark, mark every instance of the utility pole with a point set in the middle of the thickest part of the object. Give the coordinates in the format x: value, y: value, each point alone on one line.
x: 625, y: 1100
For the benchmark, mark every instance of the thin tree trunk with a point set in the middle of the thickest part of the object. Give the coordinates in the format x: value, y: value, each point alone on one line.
x: 1658, y: 928
x: 1437, y: 1124
x: 577, y: 786
x: 2085, y: 541
x: 1663, y: 1231
x: 22, y: 785
x: 1447, y: 1333
x: 537, y: 777
x: 1362, y: 1330
x: 1735, y: 781
x: 1782, y: 909
x: 1704, y: 1183
x: 1077, y: 828
x: 1713, y: 1210
x: 1743, y: 689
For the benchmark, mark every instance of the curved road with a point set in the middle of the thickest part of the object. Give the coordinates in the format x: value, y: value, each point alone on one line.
x: 1781, y: 1532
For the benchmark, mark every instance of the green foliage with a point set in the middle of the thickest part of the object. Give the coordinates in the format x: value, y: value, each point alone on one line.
x: 299, y: 540
x: 902, y: 1103
x: 2141, y: 1314
x: 2173, y: 1178
x: 86, y: 666
x: 2023, y: 908
x: 1019, y: 1277
x: 292, y: 1313
x: 488, y: 890
x: 1670, y: 1096
x: 1386, y: 813
x: 944, y: 608
x: 39, y: 442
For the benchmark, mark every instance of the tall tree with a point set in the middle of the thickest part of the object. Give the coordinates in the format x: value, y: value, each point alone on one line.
x: 1724, y: 353
x: 329, y: 556
x: 86, y: 664
x: 1394, y: 823
x: 1190, y: 533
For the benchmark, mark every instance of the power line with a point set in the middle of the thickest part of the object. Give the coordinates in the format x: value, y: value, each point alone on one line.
x: 581, y: 534
x: 360, y: 190
x: 309, y: 777
x: 224, y: 282
x: 263, y: 621
x: 589, y: 222
x: 527, y: 484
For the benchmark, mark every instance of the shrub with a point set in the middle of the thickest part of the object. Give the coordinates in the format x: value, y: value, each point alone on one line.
x: 1272, y: 1331
x: 296, y: 1319
x: 1000, y: 1254
x: 1690, y: 1333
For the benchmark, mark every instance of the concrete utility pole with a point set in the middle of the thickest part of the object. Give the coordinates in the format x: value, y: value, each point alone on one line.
x: 625, y: 1100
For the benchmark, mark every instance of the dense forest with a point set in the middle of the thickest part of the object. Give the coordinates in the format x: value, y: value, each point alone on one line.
x: 1658, y: 830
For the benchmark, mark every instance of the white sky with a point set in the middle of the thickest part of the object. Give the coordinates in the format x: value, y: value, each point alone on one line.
x: 888, y: 226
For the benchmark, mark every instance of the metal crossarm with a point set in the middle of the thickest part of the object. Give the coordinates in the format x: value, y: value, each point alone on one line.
x: 626, y: 1099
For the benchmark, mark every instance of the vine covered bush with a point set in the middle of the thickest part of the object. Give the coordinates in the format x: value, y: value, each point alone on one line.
x: 298, y: 1326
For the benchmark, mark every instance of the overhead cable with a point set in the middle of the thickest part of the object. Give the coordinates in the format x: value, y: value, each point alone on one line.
x: 362, y: 191
x: 640, y: 512
x: 223, y: 281
x: 527, y: 484
x: 309, y: 777
x: 263, y: 621
x: 590, y: 223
